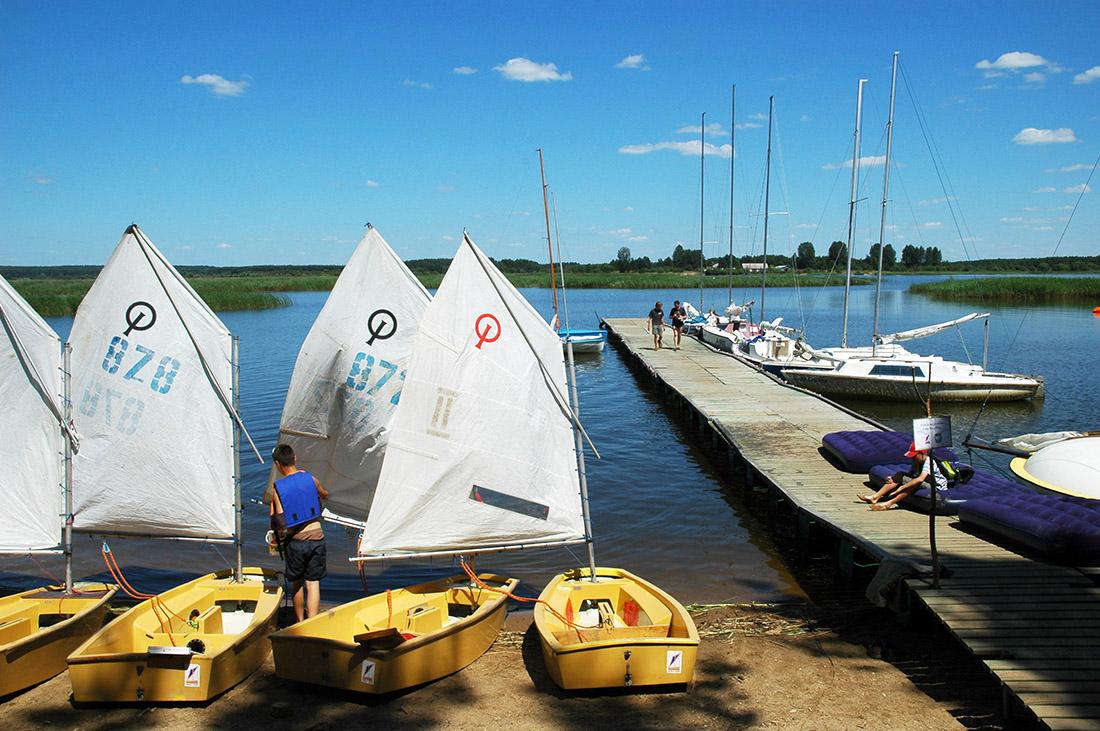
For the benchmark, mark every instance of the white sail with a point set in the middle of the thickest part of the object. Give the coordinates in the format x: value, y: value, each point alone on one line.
x: 31, y: 489
x: 923, y: 332
x: 349, y: 374
x: 151, y: 386
x: 481, y: 454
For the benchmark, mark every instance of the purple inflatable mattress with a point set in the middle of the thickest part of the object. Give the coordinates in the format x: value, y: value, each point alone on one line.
x: 982, y: 484
x: 858, y: 451
x: 1064, y: 528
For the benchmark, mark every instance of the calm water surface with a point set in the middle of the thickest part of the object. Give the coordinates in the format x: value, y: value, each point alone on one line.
x: 658, y: 507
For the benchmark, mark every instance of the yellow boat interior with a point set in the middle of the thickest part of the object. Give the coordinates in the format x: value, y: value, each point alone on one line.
x: 617, y: 606
x: 206, y: 616
x: 401, y: 616
x: 25, y: 614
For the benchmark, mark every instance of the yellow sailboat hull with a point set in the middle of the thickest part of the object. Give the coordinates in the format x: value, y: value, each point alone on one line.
x: 191, y: 644
x: 40, y: 627
x: 381, y: 644
x: 627, y: 632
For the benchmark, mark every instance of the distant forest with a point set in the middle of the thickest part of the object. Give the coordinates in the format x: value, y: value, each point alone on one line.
x: 911, y: 259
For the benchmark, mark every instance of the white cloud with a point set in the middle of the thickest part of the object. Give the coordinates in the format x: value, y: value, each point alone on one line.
x: 218, y: 85
x: 633, y: 61
x: 524, y: 69
x: 331, y: 239
x: 932, y: 224
x: 1033, y: 136
x: 42, y: 179
x: 372, y: 183
x: 446, y: 237
x: 418, y: 84
x: 748, y: 125
x: 869, y: 161
x: 224, y: 245
x: 759, y: 116
x: 936, y: 201
x: 1082, y: 188
x: 1045, y: 189
x: 805, y: 225
x: 628, y: 209
x: 805, y: 118
x: 1042, y: 228
x: 1087, y: 77
x: 714, y: 129
x: 638, y: 238
x: 1069, y: 168
x: 465, y: 70
x: 1013, y: 60
x: 620, y: 232
x: 445, y: 188
x: 186, y: 247
x: 1035, y: 78
x: 690, y: 147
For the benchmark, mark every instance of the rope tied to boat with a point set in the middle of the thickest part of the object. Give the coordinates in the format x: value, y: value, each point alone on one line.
x: 161, y: 611
x: 531, y: 600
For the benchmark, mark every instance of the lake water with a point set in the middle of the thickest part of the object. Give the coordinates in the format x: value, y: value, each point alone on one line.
x: 658, y: 506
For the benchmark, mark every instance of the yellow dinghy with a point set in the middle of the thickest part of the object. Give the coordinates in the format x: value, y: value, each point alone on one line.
x: 188, y: 644
x: 40, y: 627
x: 624, y: 632
x: 395, y: 640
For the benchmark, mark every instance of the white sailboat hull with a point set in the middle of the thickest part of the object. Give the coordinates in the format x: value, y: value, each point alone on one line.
x: 864, y: 385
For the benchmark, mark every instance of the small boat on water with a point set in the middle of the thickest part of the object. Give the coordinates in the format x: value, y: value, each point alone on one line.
x: 616, y: 631
x: 155, y: 374
x: 38, y: 627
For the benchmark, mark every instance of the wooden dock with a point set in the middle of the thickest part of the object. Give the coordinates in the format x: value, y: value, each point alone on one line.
x: 1035, y: 625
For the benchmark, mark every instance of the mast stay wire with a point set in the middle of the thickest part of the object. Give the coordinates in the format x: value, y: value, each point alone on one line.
x: 787, y: 206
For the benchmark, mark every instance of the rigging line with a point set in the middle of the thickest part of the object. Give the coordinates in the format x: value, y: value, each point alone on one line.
x: 226, y: 403
x: 962, y: 341
x: 932, y: 151
x: 817, y: 230
x: 36, y: 381
x: 561, y: 265
x: 563, y: 403
x: 787, y: 207
x: 1069, y: 220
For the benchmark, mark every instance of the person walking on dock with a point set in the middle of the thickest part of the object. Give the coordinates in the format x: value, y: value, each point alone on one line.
x: 677, y: 315
x: 654, y: 323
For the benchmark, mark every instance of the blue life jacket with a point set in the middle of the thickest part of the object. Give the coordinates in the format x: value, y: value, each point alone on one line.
x: 298, y: 497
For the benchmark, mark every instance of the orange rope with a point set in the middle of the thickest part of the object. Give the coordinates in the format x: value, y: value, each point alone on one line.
x: 389, y: 606
x: 160, y: 610
x: 510, y: 595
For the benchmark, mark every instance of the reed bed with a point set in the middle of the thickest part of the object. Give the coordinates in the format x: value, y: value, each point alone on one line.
x: 1014, y: 290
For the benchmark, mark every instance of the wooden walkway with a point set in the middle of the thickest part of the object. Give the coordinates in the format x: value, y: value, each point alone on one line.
x: 1036, y: 626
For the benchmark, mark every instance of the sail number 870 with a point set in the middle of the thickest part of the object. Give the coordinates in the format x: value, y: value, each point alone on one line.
x: 165, y: 373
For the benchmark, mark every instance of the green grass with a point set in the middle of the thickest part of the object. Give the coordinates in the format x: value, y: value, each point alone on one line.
x: 53, y: 297
x: 1014, y: 290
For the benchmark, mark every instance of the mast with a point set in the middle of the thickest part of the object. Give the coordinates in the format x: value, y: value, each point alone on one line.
x: 580, y: 465
x: 549, y: 246
x: 702, y: 157
x: 885, y: 198
x: 852, y: 208
x: 733, y: 156
x: 767, y: 194
x: 237, y: 507
x: 67, y: 404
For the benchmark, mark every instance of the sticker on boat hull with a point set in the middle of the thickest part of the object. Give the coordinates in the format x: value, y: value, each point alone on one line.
x: 674, y: 662
x: 366, y: 676
x: 193, y: 677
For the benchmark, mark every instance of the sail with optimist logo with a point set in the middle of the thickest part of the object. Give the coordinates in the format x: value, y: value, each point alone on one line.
x: 152, y: 370
x: 349, y: 375
x: 481, y: 456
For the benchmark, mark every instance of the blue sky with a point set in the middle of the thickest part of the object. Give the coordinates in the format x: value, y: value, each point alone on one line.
x: 247, y: 132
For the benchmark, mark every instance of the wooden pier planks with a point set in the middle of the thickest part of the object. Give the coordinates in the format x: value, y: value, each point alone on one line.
x: 1035, y: 625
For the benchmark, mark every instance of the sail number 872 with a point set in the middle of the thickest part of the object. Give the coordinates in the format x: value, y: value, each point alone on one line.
x: 360, y: 372
x: 166, y: 370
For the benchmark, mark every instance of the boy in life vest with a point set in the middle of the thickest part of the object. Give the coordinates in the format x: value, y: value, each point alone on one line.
x: 296, y: 521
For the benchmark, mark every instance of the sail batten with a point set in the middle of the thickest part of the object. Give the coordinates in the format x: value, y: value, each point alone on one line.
x: 31, y: 441
x: 481, y: 453
x: 349, y: 376
x: 151, y: 367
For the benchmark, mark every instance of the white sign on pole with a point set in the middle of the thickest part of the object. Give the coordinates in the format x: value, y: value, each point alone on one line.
x: 932, y: 433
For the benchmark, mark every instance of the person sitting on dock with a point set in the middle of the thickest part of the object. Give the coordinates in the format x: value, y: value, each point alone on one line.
x: 296, y: 520
x: 654, y: 323
x: 903, y: 484
x: 677, y: 315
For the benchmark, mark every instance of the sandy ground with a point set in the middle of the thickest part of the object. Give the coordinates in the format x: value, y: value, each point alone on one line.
x: 757, y: 668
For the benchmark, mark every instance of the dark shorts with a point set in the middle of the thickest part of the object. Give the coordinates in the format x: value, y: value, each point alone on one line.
x: 305, y: 560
